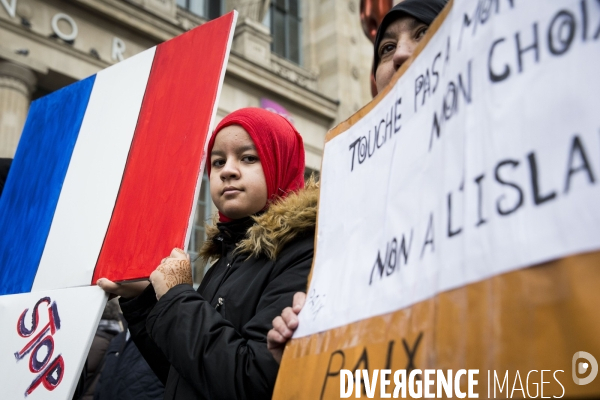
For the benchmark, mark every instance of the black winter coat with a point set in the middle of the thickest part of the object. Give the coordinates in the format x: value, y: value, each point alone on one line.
x: 211, y: 343
x: 126, y: 375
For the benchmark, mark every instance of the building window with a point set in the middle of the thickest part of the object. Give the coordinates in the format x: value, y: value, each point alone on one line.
x: 309, y: 172
x: 198, y: 236
x: 209, y: 9
x: 285, y: 24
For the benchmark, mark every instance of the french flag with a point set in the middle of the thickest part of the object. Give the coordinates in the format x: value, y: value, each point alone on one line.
x: 106, y: 175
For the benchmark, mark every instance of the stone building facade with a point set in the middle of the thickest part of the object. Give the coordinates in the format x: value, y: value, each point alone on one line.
x: 307, y: 59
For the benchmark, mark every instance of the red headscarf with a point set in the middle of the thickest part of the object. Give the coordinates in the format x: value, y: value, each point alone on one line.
x: 279, y: 147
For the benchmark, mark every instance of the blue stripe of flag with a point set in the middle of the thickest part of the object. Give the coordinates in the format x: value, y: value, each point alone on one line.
x: 35, y: 180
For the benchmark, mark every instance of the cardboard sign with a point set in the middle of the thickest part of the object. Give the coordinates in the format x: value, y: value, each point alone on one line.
x: 438, y: 199
x: 45, y: 337
x: 106, y: 176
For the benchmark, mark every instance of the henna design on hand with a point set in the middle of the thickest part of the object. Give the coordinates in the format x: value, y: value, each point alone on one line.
x: 176, y: 272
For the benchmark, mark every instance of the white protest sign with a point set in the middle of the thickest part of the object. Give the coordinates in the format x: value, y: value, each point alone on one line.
x: 45, y: 334
x: 483, y: 158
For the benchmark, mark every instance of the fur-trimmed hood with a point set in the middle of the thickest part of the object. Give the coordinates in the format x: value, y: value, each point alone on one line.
x: 278, y: 225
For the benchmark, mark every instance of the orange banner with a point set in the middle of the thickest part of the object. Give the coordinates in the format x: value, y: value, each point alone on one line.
x: 513, y: 325
x: 528, y: 333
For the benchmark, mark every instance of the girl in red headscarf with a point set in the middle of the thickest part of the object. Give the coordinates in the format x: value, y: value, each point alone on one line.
x: 211, y: 343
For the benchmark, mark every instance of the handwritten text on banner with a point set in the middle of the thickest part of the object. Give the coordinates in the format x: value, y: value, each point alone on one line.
x: 484, y: 158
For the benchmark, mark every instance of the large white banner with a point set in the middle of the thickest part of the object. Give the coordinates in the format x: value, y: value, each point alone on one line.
x: 483, y: 158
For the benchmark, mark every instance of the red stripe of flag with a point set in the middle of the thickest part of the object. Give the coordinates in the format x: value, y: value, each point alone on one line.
x: 153, y: 208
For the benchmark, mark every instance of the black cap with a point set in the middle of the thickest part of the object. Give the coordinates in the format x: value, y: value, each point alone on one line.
x: 423, y: 10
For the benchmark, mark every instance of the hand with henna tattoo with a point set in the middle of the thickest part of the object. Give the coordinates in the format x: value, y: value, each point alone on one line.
x: 173, y: 270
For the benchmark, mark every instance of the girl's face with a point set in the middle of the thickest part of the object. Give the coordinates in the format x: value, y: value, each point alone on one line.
x: 237, y: 181
x: 396, y: 46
